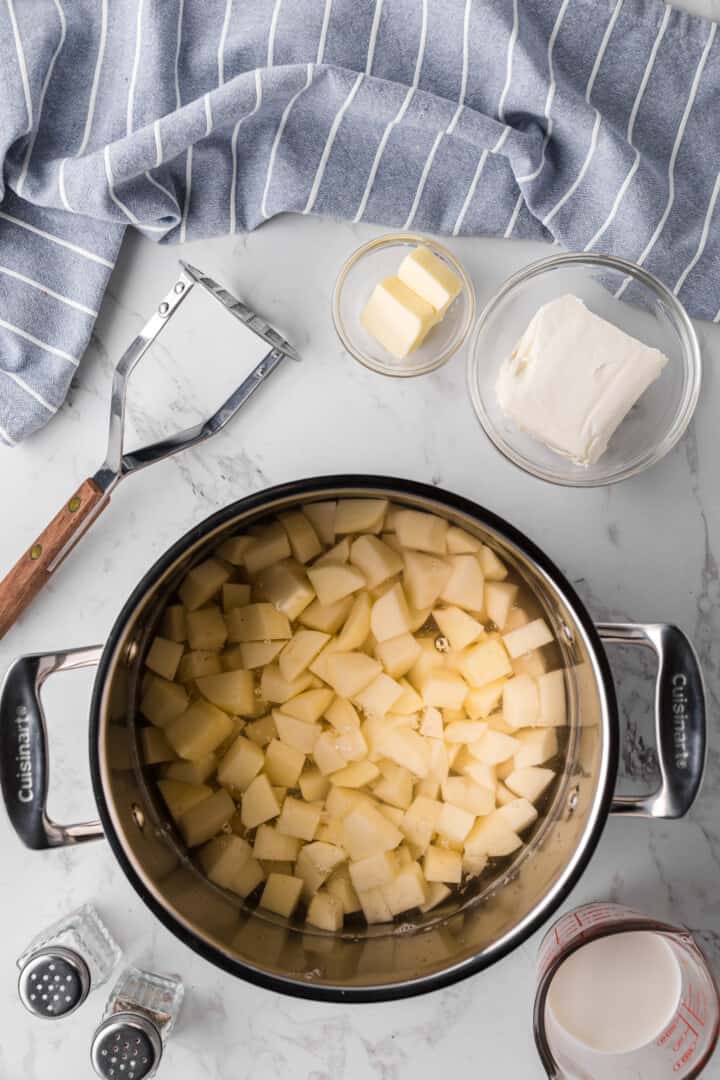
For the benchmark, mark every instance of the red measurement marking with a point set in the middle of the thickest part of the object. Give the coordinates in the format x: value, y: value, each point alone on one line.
x: 694, y: 1015
x: 578, y: 920
x: 557, y: 937
x: 688, y: 1024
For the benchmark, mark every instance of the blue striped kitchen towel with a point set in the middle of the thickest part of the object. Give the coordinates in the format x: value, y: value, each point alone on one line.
x: 594, y: 122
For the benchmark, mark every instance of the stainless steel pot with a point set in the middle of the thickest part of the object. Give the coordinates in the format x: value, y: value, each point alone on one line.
x: 473, y: 929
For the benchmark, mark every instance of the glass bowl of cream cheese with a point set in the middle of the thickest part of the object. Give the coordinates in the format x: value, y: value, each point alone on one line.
x: 584, y: 369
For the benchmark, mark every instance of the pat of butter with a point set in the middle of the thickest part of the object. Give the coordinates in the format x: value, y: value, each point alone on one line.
x: 428, y: 276
x: 397, y: 317
x: 573, y: 378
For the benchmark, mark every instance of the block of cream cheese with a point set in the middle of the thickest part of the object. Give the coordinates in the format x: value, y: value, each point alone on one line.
x: 397, y: 317
x: 428, y: 276
x: 573, y: 378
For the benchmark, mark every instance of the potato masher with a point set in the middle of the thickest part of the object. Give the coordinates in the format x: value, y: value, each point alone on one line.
x: 39, y: 561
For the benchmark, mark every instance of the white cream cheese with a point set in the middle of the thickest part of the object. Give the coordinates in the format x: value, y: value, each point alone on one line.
x: 573, y: 378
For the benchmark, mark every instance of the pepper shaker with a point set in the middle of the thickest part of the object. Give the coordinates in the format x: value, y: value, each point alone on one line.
x: 138, y: 1019
x: 64, y: 962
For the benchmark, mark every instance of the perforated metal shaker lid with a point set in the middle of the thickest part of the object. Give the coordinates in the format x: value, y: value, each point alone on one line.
x: 127, y: 1046
x: 54, y: 982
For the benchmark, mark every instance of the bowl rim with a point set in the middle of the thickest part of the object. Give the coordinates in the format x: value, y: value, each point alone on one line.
x: 406, y: 239
x: 691, y: 356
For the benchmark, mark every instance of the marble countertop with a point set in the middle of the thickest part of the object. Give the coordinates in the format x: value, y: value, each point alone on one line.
x: 643, y: 550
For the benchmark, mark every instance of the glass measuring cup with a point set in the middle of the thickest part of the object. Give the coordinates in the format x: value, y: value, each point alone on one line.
x: 681, y: 1049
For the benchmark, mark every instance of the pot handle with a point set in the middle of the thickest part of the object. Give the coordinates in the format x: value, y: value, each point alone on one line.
x: 680, y: 729
x: 24, y: 764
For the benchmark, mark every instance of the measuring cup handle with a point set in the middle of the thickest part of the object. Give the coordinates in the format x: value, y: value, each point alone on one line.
x: 680, y: 727
x: 24, y: 764
x: 33, y: 569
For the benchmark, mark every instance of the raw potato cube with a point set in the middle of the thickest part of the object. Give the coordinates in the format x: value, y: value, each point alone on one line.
x: 374, y: 906
x: 191, y: 772
x: 194, y: 664
x: 313, y: 785
x: 425, y: 578
x: 202, y: 583
x: 531, y: 636
x: 492, y: 836
x: 349, y: 673
x: 366, y: 832
x: 379, y: 696
x: 228, y: 862
x: 499, y: 599
x: 342, y: 715
x: 420, y: 531
x: 420, y: 821
x: 376, y: 561
x: 296, y: 733
x: 273, y: 846
x: 251, y: 654
x: 180, y: 796
x: 206, y: 818
x: 259, y: 803
x: 436, y: 893
x: 373, y: 871
x: 262, y: 731
x: 460, y: 542
x: 462, y: 791
x: 454, y: 823
x: 206, y: 629
x: 240, y: 764
x: 410, y: 702
x: 484, y: 700
x: 356, y: 775
x: 504, y: 795
x: 479, y: 771
x: 299, y: 819
x: 458, y: 627
x: 302, y: 536
x: 340, y: 886
x: 441, y: 864
x: 337, y: 555
x: 406, y: 748
x: 431, y: 724
x: 300, y: 651
x: 335, y: 581
x: 283, y: 764
x: 551, y: 690
x: 328, y: 757
x: 529, y: 782
x: 281, y: 894
x: 325, y: 911
x: 395, y: 786
x: 233, y: 691
x: 492, y: 567
x: 536, y: 747
x: 357, y: 626
x: 327, y: 617
x: 235, y: 596
x: 418, y: 617
x: 360, y: 515
x: 466, y: 585
x: 340, y: 801
x: 519, y: 814
x: 286, y: 586
x: 532, y: 663
x: 406, y: 891
x: 485, y: 663
x: 520, y: 702
x: 321, y: 516
x: 163, y: 657
x: 444, y: 688
x: 274, y: 688
x: 199, y: 730
x: 390, y: 616
x: 257, y: 622
x: 174, y: 627
x: 351, y: 743
x: 233, y: 550
x: 473, y: 865
x: 464, y: 731
x: 163, y: 701
x: 271, y: 546
x: 398, y: 654
x: 494, y: 747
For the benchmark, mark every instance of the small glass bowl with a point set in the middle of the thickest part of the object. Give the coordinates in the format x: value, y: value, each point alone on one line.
x: 647, y: 310
x: 361, y: 273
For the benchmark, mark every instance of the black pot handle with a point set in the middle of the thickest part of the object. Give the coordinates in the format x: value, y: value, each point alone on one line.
x: 680, y: 728
x: 24, y: 764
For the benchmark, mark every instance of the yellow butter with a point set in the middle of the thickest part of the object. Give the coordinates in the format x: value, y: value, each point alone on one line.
x: 431, y: 278
x: 397, y: 317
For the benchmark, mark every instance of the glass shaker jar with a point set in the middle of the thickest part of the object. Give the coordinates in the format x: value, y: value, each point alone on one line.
x: 138, y: 1019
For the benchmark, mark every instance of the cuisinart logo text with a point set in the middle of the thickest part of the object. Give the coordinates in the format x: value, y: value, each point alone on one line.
x: 680, y: 715
x: 23, y: 760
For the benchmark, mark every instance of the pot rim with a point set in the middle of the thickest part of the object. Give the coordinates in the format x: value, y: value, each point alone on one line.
x: 333, y: 993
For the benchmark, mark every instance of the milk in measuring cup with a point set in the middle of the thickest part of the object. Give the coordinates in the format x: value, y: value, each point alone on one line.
x: 614, y: 994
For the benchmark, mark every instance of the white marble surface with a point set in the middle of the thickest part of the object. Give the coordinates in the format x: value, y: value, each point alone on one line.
x: 645, y: 550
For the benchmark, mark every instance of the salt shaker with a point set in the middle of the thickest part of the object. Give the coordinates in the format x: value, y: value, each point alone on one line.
x: 63, y: 963
x: 140, y: 1014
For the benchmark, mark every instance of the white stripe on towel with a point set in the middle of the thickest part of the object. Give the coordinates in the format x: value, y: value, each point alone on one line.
x: 703, y: 238
x: 22, y: 65
x: 273, y: 31
x: 43, y: 92
x: 373, y: 36
x: 221, y: 46
x: 329, y: 143
x: 118, y: 201
x: 29, y: 390
x: 509, y: 61
x: 279, y: 135
x: 474, y: 182
x: 74, y: 360
x: 135, y: 68
x: 550, y: 95
x: 41, y: 287
x: 57, y: 240
x: 323, y: 32
x: 188, y: 187
x: 233, y: 149
x: 96, y: 79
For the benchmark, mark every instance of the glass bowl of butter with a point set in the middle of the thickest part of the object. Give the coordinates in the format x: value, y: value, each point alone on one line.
x: 403, y: 305
x: 584, y: 369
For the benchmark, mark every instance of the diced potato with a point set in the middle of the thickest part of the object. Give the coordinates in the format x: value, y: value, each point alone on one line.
x: 519, y: 814
x: 335, y: 581
x: 235, y: 596
x: 299, y: 819
x: 303, y: 539
x: 321, y: 516
x: 473, y: 865
x: 536, y: 747
x: 233, y: 550
x: 532, y: 663
x: 296, y: 733
x: 281, y: 894
x: 530, y: 782
x: 206, y: 629
x: 233, y: 691
x: 465, y: 587
x: 360, y: 515
x: 492, y: 567
x: 531, y: 636
x: 482, y: 773
x: 251, y: 654
x: 259, y: 803
x: 454, y: 823
x: 271, y: 545
x: 425, y: 578
x: 484, y: 700
x: 257, y: 622
x: 328, y: 757
x: 180, y: 796
x: 373, y: 871
x: 274, y: 688
x: 340, y: 886
x: 420, y: 821
x: 273, y: 846
x: 285, y: 585
x: 374, y: 907
x: 486, y: 663
x: 283, y: 763
x: 313, y: 785
x: 410, y: 702
x: 443, y: 865
x: 227, y: 860
x: 206, y: 818
x: 462, y: 791
x: 439, y: 760
x: 504, y: 795
x: 325, y: 911
x: 520, y: 702
x: 357, y: 626
x: 397, y: 655
x: 503, y: 770
x: 464, y: 731
x: 300, y: 651
x: 460, y: 542
x: 336, y: 555
x: 341, y: 714
x: 406, y: 891
x: 199, y: 730
x: 458, y: 627
x: 262, y: 731
x: 202, y: 583
x: 174, y: 626
x: 191, y: 772
x: 406, y: 748
x: 356, y: 775
x: 349, y: 673
x: 494, y: 747
x: 395, y: 785
x: 366, y: 832
x: 390, y: 615
x: 195, y: 664
x: 240, y: 764
x: 499, y: 599
x: 163, y: 701
x: 444, y: 688
x: 379, y: 696
x: 551, y: 691
x: 327, y: 617
x: 436, y: 893
x: 431, y: 723
x: 420, y: 531
x: 163, y: 657
x: 492, y: 836
x: 376, y: 561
